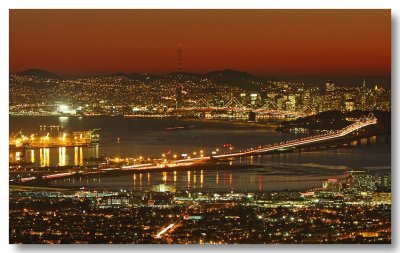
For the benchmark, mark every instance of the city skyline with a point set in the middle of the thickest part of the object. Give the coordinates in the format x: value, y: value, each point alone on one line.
x: 319, y: 80
x: 200, y: 127
x: 261, y: 42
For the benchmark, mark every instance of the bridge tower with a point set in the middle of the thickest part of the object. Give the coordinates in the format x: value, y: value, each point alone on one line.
x: 202, y: 104
x: 179, y: 87
x: 269, y: 105
x: 235, y: 108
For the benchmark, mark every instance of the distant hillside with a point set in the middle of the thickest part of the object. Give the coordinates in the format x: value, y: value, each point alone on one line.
x: 235, y: 78
x: 227, y: 77
x: 143, y: 77
x: 38, y: 73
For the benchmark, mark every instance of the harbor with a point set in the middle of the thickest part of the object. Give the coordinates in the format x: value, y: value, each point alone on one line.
x: 53, y: 137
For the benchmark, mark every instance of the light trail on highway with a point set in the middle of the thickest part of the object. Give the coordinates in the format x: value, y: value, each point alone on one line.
x: 313, y: 139
x: 164, y: 230
x: 259, y: 151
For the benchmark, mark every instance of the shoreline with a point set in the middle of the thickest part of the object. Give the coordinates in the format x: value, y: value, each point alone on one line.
x: 274, y: 171
x: 272, y: 125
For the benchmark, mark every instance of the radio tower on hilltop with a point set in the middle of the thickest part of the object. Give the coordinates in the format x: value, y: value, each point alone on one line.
x: 179, y: 67
x: 179, y: 86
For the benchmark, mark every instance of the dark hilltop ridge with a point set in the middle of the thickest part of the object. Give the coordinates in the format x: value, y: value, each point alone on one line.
x: 231, y: 77
x: 228, y: 76
x: 38, y: 73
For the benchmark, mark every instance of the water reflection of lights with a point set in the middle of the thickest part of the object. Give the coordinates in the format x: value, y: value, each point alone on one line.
x: 41, y: 157
x: 32, y: 156
x: 18, y: 156
x: 44, y: 157
x: 80, y: 156
x: 95, y: 150
x: 62, y: 157
x: 201, y: 179
x: 76, y: 156
x: 188, y: 179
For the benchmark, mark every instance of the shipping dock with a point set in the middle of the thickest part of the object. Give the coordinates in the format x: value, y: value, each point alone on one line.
x: 53, y: 139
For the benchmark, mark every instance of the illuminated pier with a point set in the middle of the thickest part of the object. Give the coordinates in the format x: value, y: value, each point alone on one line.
x: 33, y: 141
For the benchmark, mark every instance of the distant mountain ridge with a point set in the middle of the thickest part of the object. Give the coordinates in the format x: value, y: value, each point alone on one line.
x: 234, y: 77
x: 227, y: 76
x: 38, y: 73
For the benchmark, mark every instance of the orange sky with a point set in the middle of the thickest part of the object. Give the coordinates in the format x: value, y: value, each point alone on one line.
x: 334, y: 42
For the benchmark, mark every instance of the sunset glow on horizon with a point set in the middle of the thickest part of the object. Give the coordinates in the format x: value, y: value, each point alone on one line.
x: 301, y: 42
